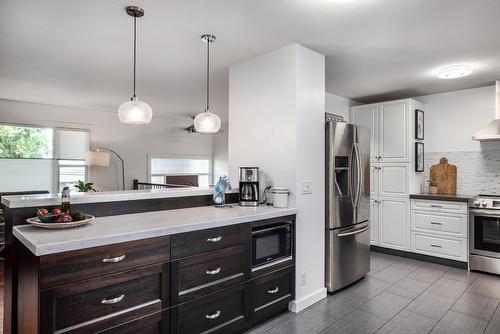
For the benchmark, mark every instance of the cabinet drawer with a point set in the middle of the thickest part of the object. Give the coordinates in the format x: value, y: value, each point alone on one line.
x: 198, y: 275
x: 186, y: 244
x: 79, y: 265
x: 439, y: 206
x: 156, y: 323
x: 449, y: 248
x: 275, y: 288
x: 221, y: 312
x: 100, y: 303
x: 455, y: 225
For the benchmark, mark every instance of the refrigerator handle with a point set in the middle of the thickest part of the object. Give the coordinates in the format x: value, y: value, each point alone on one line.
x: 353, y: 177
x: 359, y: 175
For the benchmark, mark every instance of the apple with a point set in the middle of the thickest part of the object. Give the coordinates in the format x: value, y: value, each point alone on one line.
x: 56, y: 212
x: 43, y: 212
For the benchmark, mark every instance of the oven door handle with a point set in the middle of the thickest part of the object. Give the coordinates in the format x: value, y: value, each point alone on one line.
x: 361, y: 230
x: 484, y: 213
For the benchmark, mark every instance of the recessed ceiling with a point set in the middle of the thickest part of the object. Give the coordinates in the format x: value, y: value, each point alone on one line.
x: 79, y: 52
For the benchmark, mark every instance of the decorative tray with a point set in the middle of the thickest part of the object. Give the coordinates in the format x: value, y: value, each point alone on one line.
x: 35, y: 221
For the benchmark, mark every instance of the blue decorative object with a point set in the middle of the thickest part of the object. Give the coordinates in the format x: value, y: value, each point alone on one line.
x: 221, y: 187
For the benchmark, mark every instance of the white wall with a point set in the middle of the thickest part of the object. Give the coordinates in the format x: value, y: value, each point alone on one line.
x: 133, y: 142
x: 452, y: 118
x: 276, y: 122
x: 338, y: 105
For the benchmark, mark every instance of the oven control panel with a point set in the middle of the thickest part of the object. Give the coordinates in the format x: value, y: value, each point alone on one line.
x: 486, y: 202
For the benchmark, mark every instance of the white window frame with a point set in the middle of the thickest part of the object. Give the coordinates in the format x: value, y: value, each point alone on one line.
x: 57, y: 171
x: 55, y: 162
x: 183, y: 156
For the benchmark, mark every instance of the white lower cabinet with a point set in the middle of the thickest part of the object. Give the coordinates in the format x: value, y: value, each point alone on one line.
x: 394, y: 223
x: 439, y: 228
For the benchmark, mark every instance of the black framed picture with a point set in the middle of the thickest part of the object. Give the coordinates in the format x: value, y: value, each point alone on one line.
x: 419, y: 124
x: 419, y: 157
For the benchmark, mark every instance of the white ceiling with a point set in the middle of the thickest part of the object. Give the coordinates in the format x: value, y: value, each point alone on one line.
x: 78, y: 53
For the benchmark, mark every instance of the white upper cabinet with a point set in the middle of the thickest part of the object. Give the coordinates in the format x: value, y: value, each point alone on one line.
x: 389, y: 125
x: 367, y: 116
x: 393, y: 132
x: 393, y: 180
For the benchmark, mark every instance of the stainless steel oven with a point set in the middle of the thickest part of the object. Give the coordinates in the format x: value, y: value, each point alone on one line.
x: 484, y: 235
x: 271, y: 244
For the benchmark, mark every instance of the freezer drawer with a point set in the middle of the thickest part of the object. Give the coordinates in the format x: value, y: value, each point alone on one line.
x: 347, y: 255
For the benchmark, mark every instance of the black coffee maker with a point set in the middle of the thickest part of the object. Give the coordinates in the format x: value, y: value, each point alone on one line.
x: 249, y: 186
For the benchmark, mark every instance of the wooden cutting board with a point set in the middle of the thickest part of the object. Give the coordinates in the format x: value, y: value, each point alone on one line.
x: 446, y: 177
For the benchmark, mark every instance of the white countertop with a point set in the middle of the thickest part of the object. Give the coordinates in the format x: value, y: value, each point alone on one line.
x: 23, y: 201
x: 115, y: 229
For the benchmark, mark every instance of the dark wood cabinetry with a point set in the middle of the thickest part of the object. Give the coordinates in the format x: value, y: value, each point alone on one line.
x: 192, y: 282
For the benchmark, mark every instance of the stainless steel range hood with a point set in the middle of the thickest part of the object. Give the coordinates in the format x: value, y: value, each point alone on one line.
x: 491, y: 131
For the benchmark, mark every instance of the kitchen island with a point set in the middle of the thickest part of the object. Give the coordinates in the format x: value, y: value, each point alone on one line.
x: 174, y: 270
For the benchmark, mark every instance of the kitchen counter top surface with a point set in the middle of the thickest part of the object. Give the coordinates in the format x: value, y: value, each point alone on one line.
x: 23, y: 201
x: 443, y: 197
x: 115, y: 229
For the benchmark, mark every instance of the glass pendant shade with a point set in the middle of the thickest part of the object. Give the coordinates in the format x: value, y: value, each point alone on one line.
x: 135, y: 112
x: 207, y: 122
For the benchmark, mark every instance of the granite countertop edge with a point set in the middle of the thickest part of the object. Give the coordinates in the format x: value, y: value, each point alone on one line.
x: 443, y: 197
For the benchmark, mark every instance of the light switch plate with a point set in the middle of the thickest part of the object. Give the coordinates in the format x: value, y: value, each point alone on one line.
x: 307, y: 187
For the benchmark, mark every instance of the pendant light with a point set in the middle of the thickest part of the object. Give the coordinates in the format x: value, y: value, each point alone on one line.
x: 135, y: 111
x: 207, y: 122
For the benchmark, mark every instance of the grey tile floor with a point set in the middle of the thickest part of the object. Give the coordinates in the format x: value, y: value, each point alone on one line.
x: 402, y: 296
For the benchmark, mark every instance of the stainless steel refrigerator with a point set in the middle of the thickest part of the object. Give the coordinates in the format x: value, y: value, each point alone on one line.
x: 347, y: 195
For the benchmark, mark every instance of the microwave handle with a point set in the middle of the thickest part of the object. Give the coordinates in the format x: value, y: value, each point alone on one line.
x: 270, y: 229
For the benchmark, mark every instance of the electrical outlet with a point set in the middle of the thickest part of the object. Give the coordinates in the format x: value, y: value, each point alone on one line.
x: 307, y: 187
x: 303, y: 278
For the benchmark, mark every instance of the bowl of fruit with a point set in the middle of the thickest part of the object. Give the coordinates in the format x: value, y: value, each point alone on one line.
x: 56, y: 219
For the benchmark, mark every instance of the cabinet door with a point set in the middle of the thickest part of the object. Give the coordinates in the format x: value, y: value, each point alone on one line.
x: 374, y: 222
x: 393, y: 132
x: 394, y: 223
x: 374, y: 179
x: 367, y: 116
x: 393, y: 180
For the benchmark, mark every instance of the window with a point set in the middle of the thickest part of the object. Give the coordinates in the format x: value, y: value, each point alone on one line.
x: 180, y: 171
x: 37, y: 158
x: 69, y: 172
x: 23, y: 142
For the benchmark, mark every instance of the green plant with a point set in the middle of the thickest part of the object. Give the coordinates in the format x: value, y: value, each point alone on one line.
x: 432, y: 179
x: 84, y: 187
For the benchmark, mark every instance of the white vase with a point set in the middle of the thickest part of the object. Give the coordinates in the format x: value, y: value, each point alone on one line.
x: 433, y: 190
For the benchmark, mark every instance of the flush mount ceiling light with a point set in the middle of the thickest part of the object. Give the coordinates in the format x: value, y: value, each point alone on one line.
x: 135, y: 111
x: 454, y: 71
x: 207, y: 122
x: 338, y: 1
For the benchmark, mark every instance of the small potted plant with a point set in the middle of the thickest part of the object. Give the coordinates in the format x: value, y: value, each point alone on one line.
x: 432, y: 184
x: 84, y: 187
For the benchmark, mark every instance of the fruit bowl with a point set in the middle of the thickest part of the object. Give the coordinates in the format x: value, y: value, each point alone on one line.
x: 36, y: 221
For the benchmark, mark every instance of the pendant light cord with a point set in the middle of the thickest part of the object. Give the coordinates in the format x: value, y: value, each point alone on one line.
x: 208, y: 74
x: 135, y: 48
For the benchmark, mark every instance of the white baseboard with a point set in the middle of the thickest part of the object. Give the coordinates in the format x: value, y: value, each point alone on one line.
x: 296, y: 306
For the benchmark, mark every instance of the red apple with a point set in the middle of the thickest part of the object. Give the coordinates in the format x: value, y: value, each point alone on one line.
x: 56, y: 212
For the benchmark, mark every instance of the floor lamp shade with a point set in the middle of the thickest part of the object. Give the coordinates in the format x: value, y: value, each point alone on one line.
x: 99, y: 159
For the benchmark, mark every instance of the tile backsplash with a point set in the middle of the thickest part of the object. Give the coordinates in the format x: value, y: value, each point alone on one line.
x: 478, y: 172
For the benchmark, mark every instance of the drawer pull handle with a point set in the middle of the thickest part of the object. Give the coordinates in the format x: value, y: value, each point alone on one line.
x: 436, y: 206
x: 213, y: 271
x: 112, y: 300
x: 213, y: 315
x: 273, y: 291
x: 114, y: 259
x: 434, y: 223
x: 216, y: 239
x: 436, y: 246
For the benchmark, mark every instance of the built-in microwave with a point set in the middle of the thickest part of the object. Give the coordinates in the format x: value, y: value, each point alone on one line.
x: 271, y: 244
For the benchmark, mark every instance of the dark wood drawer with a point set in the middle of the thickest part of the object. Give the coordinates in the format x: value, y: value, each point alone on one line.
x: 271, y: 290
x: 103, y: 302
x: 156, y: 323
x: 198, y: 275
x: 79, y: 265
x: 191, y: 243
x: 221, y: 312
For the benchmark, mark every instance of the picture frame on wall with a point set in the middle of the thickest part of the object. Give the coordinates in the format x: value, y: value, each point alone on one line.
x: 419, y: 157
x: 419, y: 124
